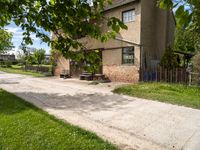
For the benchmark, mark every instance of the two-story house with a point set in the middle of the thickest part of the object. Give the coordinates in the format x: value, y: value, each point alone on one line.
x: 150, y: 31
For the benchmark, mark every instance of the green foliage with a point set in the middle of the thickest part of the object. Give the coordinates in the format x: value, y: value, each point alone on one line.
x: 31, y: 55
x: 25, y: 55
x: 65, y: 18
x: 187, y: 40
x: 24, y: 126
x: 92, y: 61
x: 163, y: 92
x: 30, y: 59
x: 169, y: 59
x: 187, y: 12
x: 89, y: 61
x: 5, y: 64
x: 5, y: 41
x: 39, y: 56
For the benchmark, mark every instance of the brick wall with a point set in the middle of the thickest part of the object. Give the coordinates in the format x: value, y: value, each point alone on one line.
x: 57, y: 71
x: 122, y: 73
x: 62, y: 64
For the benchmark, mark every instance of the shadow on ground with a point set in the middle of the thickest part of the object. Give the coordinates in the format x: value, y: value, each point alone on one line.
x: 77, y: 102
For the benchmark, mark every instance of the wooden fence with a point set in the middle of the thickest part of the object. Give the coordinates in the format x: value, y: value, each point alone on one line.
x: 194, y: 78
x: 42, y: 69
x: 175, y: 75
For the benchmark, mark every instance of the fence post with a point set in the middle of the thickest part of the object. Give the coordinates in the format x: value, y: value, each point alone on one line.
x: 177, y: 71
x: 190, y: 78
x: 160, y: 74
x: 156, y: 74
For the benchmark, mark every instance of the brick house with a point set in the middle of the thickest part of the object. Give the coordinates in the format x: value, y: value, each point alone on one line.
x: 150, y: 31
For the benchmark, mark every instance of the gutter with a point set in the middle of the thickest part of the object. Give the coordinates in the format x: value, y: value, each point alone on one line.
x: 127, y: 41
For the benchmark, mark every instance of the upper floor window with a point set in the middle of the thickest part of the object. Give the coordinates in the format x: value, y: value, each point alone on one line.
x: 128, y: 16
x: 128, y: 55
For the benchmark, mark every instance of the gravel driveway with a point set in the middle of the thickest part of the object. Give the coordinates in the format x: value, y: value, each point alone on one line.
x: 131, y: 123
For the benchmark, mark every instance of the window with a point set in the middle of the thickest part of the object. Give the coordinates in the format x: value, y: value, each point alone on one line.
x: 128, y: 16
x: 128, y: 55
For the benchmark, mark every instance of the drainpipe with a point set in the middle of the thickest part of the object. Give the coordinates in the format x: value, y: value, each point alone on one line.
x: 141, y: 62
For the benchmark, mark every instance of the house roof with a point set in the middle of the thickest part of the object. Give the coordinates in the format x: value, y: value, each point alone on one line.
x: 118, y: 3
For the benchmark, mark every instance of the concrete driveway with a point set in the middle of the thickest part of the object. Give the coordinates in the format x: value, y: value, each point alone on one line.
x: 131, y: 123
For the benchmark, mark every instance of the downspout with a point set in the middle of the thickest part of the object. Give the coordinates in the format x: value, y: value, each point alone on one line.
x: 141, y: 47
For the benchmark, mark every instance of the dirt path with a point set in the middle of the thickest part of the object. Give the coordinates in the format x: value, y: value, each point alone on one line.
x: 131, y: 123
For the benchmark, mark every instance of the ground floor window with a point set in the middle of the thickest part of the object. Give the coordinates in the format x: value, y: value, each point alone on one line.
x: 128, y: 55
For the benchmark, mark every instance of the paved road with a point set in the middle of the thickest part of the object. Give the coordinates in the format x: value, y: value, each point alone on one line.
x: 131, y: 123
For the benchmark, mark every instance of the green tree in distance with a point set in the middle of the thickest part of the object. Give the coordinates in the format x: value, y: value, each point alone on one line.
x: 5, y: 41
x: 25, y: 54
x: 39, y: 56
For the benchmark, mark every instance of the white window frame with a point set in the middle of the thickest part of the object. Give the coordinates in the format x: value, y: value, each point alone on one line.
x: 128, y: 55
x: 128, y: 16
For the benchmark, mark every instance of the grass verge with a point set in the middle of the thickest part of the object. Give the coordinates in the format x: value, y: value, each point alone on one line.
x: 23, y: 126
x: 163, y: 92
x: 20, y: 71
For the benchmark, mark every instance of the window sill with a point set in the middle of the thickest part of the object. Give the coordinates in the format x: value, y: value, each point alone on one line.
x: 128, y: 64
x: 129, y: 22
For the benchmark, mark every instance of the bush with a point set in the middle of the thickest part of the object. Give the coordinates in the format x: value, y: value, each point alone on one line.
x: 6, y: 64
x: 169, y: 59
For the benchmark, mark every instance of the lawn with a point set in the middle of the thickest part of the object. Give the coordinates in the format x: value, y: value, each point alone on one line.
x: 23, y: 126
x: 163, y: 92
x: 17, y: 70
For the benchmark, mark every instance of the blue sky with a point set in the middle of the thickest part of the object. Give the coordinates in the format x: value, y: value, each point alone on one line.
x: 17, y: 39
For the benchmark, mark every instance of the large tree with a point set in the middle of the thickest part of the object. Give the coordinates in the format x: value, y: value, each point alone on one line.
x: 5, y: 41
x: 67, y: 19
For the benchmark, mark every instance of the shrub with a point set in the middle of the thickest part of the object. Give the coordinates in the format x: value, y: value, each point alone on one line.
x: 6, y: 64
x: 169, y: 59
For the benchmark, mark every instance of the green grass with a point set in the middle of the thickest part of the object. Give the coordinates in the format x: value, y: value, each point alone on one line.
x: 43, y: 65
x: 23, y: 126
x: 170, y: 93
x: 17, y: 70
x: 16, y: 67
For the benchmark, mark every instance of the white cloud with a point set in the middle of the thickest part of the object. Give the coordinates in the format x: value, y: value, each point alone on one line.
x: 12, y: 30
x: 18, y: 37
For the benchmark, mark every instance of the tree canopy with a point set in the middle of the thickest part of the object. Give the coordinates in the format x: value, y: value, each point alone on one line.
x: 79, y: 17
x: 5, y: 41
x: 187, y: 40
x: 70, y: 19
x: 187, y: 13
x: 65, y: 18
